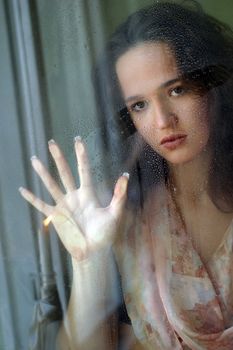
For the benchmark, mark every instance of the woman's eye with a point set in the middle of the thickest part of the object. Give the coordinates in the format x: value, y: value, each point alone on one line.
x: 138, y: 106
x: 179, y: 90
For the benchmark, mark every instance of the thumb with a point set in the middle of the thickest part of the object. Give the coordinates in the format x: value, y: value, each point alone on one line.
x: 120, y: 195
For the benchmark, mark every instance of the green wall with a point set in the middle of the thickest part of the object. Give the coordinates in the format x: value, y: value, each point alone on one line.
x: 116, y: 11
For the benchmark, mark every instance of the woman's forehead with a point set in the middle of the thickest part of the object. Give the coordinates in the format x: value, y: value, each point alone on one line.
x: 148, y: 50
x: 146, y: 66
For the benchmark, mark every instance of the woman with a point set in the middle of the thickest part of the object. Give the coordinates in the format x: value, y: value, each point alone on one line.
x: 168, y: 72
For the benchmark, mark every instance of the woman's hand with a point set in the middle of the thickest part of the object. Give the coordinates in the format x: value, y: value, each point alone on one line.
x: 82, y: 225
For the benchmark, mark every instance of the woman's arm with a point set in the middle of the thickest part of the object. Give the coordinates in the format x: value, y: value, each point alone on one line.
x: 91, y: 321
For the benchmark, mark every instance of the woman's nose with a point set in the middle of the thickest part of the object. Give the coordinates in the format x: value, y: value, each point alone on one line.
x: 163, y: 114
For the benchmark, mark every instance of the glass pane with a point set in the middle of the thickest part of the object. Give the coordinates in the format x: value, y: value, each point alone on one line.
x: 125, y: 109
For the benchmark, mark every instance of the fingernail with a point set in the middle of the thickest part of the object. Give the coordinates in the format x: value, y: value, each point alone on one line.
x: 33, y: 157
x: 126, y: 175
x: 20, y: 189
x: 77, y: 138
x: 51, y: 142
x: 79, y: 144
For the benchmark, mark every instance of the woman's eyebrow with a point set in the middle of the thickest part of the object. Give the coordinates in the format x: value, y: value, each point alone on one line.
x: 170, y: 82
x: 133, y: 98
x: 163, y: 85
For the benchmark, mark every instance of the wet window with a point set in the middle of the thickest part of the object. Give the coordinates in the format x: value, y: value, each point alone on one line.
x: 117, y: 129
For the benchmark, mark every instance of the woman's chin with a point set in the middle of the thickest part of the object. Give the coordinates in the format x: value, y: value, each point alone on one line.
x: 185, y: 159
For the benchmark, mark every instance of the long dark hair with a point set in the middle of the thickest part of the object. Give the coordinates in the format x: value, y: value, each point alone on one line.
x: 203, y: 48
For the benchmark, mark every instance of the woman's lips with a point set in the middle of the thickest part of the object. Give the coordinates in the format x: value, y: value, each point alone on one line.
x: 173, y: 141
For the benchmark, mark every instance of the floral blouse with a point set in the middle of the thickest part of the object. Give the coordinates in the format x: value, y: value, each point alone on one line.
x: 173, y: 299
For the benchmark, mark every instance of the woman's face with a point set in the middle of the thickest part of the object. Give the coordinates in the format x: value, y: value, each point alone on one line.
x: 168, y: 113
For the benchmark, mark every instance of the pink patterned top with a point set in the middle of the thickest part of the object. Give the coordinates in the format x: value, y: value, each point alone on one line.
x: 173, y: 300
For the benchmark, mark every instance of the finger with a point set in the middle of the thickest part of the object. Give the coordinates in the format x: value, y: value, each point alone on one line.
x: 36, y: 202
x: 47, y: 179
x: 83, y: 163
x: 62, y: 166
x: 120, y: 195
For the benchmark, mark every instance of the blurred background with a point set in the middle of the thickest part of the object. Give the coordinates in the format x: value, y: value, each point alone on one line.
x: 47, y: 52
